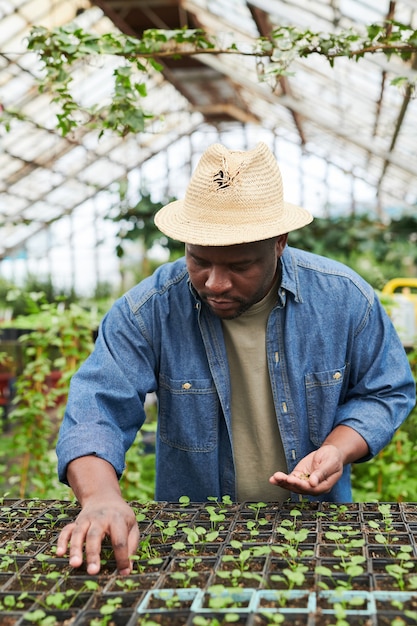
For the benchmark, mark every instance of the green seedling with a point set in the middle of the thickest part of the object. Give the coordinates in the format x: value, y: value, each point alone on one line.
x: 200, y: 620
x: 40, y: 618
x: 401, y: 568
x: 256, y: 507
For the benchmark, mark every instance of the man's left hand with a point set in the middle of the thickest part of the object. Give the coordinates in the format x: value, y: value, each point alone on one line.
x: 317, y: 473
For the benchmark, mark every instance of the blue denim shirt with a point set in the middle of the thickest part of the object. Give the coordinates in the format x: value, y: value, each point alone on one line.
x: 333, y: 357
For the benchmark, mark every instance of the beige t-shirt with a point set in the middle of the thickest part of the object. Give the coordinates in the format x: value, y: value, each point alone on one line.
x: 257, y: 445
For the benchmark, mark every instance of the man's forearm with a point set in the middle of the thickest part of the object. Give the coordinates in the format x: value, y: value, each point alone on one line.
x: 90, y: 476
x: 350, y: 443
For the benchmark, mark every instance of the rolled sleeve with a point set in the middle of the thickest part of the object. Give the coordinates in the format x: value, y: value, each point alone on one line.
x: 81, y: 440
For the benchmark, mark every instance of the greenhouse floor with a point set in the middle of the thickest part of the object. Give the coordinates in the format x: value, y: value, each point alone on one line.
x: 217, y: 563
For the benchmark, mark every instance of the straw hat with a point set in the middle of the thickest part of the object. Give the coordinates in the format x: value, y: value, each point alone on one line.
x: 233, y: 197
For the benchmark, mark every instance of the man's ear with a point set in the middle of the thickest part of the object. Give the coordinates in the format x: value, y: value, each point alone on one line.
x: 281, y: 242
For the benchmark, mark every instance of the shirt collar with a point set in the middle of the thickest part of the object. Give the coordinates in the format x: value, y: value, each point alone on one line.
x: 290, y: 280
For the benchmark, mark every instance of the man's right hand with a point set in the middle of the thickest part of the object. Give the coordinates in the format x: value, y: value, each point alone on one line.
x: 104, y: 514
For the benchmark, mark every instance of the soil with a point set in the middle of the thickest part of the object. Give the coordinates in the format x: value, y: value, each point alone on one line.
x: 21, y: 570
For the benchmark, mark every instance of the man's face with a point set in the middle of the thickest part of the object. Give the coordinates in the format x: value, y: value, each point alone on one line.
x: 230, y: 279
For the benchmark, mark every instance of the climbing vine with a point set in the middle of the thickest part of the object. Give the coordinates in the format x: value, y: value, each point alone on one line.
x: 64, y: 48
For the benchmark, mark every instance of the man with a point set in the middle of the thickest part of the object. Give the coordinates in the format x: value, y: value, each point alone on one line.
x: 274, y: 369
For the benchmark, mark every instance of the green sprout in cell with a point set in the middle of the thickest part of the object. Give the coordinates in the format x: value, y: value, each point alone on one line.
x: 228, y: 618
x: 256, y: 507
x: 220, y: 598
x: 40, y: 618
x: 273, y: 618
x: 240, y: 563
x: 107, y: 611
x: 401, y: 569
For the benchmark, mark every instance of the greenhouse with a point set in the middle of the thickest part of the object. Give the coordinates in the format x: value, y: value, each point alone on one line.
x: 108, y: 109
x: 344, y: 135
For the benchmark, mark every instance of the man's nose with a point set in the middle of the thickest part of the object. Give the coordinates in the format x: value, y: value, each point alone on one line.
x: 218, y: 280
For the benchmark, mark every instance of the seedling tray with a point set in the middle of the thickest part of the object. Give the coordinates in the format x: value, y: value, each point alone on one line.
x: 201, y: 564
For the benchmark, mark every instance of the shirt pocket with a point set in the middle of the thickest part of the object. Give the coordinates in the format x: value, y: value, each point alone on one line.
x: 324, y: 392
x: 188, y: 413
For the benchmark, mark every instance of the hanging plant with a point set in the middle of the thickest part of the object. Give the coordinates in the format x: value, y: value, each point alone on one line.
x: 61, y: 49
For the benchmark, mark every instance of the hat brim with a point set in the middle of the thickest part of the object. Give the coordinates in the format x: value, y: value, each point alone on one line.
x: 171, y: 221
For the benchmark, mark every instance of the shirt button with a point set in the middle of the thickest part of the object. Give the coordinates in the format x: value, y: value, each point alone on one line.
x: 337, y: 375
x: 186, y: 386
